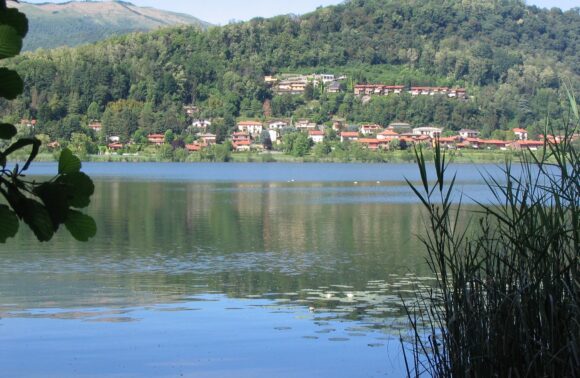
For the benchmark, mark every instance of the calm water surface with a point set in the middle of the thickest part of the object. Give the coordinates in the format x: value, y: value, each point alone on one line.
x: 253, y: 270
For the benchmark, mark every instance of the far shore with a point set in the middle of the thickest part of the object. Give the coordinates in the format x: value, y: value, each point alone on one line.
x: 460, y: 157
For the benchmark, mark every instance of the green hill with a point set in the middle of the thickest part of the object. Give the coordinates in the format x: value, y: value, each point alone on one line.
x: 80, y: 22
x: 512, y: 59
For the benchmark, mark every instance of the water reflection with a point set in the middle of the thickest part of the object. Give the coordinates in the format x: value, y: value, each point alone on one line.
x: 314, y: 262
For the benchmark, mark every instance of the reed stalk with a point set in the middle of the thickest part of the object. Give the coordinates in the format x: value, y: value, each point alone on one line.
x: 506, y: 301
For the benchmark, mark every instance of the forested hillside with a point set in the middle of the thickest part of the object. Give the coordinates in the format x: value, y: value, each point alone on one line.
x: 79, y: 22
x: 512, y: 59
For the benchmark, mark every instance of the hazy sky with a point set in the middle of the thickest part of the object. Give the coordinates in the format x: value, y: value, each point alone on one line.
x: 223, y: 11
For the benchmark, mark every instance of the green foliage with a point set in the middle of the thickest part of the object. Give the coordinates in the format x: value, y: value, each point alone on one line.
x: 42, y: 206
x: 507, y: 298
x: 510, y: 57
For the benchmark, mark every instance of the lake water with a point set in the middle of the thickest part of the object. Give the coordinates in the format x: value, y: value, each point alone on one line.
x: 222, y: 270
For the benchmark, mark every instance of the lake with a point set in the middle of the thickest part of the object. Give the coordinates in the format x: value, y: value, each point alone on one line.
x: 222, y: 270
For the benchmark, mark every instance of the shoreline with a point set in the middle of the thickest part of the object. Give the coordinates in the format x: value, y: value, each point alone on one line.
x: 455, y: 157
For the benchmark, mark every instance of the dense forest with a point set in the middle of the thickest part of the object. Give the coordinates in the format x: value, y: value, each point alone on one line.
x: 512, y: 58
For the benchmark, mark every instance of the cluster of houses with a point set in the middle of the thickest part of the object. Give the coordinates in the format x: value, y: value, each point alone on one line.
x: 372, y: 136
x: 296, y: 84
x: 385, y: 90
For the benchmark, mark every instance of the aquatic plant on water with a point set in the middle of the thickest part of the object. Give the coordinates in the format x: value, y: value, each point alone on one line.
x: 507, y: 297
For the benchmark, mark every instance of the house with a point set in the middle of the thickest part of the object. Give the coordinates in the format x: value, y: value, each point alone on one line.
x: 243, y: 145
x: 208, y: 138
x: 348, y: 135
x: 157, y: 139
x: 273, y: 135
x: 473, y: 142
x: 305, y: 125
x: 325, y: 78
x: 115, y: 146
x: 400, y: 127
x: 372, y: 143
x: 270, y: 80
x: 96, y: 126
x: 334, y: 87
x: 446, y: 142
x: 190, y: 110
x: 201, y: 123
x: 193, y: 147
x: 388, y: 135
x: 521, y: 134
x: 433, y: 132
x: 532, y: 145
x: 114, y: 139
x: 370, y: 129
x: 253, y: 128
x: 277, y: 125
x: 459, y: 93
x: 338, y: 124
x: 316, y: 136
x: 467, y: 133
x: 377, y: 89
x: 240, y: 136
x: 494, y: 143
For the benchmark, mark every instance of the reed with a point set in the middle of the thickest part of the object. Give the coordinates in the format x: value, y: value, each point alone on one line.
x: 506, y: 301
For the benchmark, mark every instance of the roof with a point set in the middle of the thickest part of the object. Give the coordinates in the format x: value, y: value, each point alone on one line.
x: 349, y: 134
x: 374, y: 126
x: 152, y: 136
x: 193, y: 147
x: 315, y: 132
x: 369, y: 140
x: 389, y: 132
x: 518, y: 130
x: 249, y: 123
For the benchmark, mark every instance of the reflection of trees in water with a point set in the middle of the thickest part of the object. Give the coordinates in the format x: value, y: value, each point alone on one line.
x: 163, y: 241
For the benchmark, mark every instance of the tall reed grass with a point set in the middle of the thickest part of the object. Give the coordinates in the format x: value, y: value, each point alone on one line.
x: 507, y: 296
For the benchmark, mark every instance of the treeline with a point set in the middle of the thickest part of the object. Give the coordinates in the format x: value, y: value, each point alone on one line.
x: 512, y: 59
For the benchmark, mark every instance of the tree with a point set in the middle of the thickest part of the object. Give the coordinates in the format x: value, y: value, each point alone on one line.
x: 44, y: 207
x: 169, y: 136
x: 266, y: 140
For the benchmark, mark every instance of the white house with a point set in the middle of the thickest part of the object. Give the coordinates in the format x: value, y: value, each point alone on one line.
x: 253, y: 128
x: 316, y: 136
x: 201, y: 123
x: 433, y: 132
x: 467, y: 133
x: 277, y: 125
x: 273, y: 135
x: 521, y: 134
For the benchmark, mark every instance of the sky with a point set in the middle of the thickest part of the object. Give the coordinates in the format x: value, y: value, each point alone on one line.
x: 220, y: 12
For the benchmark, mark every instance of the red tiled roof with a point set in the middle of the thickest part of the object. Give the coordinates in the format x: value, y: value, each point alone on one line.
x: 315, y: 132
x: 193, y: 147
x: 349, y: 134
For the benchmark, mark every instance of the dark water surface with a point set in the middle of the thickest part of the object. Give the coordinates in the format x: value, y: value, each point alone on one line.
x: 253, y: 270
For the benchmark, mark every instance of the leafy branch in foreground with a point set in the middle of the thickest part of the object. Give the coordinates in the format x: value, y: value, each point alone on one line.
x: 507, y: 299
x: 42, y: 206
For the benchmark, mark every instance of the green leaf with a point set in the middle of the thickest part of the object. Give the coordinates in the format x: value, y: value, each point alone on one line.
x: 10, y: 42
x: 37, y: 218
x: 79, y: 188
x: 81, y: 226
x: 55, y: 198
x: 9, y: 223
x: 21, y: 143
x: 7, y: 131
x: 11, y: 85
x: 68, y: 163
x: 16, y: 19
